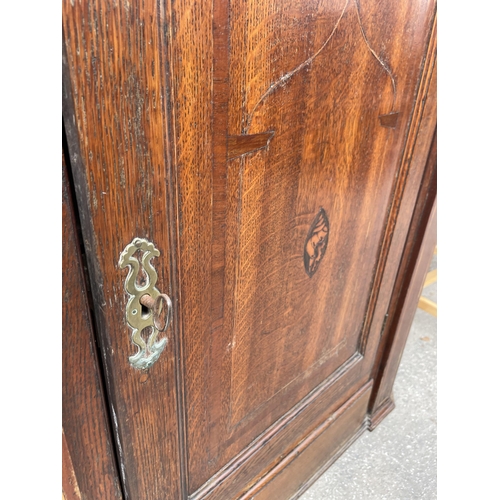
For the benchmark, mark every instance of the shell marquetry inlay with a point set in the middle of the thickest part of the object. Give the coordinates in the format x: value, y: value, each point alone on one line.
x: 316, y: 242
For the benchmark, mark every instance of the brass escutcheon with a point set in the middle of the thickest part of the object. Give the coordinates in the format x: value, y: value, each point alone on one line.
x: 147, y: 309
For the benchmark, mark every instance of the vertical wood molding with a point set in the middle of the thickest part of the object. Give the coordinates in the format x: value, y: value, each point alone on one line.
x: 419, y: 250
x: 86, y: 434
x: 423, y: 154
x: 416, y: 126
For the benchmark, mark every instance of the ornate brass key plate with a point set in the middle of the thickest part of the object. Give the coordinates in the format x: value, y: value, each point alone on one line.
x: 148, y: 311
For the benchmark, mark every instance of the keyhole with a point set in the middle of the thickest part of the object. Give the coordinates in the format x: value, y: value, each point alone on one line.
x: 145, y: 311
x: 147, y: 305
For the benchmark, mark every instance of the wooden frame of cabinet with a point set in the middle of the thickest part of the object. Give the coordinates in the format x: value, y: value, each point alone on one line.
x: 156, y: 152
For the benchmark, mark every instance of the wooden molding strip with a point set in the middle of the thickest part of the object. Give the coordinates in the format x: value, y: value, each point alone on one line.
x: 382, y: 411
x: 323, y: 445
x: 316, y: 404
x: 417, y: 116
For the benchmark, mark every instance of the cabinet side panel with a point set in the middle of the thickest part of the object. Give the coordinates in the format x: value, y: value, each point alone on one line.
x: 422, y: 157
x: 87, y: 437
x: 422, y: 239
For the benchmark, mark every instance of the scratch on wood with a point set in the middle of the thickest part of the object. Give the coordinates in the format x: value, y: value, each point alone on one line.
x: 284, y: 79
x: 382, y: 63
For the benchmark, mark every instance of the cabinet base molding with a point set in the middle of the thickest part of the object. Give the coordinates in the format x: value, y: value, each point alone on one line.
x: 380, y: 413
x: 314, y: 454
x: 293, y: 465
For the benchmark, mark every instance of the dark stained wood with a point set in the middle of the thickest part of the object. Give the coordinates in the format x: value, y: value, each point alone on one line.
x: 316, y: 242
x: 87, y: 442
x: 390, y: 120
x: 114, y: 106
x: 277, y: 442
x: 419, y: 203
x: 278, y: 333
x: 383, y: 400
x: 271, y: 333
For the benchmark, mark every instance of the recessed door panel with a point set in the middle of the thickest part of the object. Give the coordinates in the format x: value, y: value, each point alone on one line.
x: 293, y: 226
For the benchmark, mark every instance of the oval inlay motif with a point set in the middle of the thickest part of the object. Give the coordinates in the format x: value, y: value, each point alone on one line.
x: 316, y: 242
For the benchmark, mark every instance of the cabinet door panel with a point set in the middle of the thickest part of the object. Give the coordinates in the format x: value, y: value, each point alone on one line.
x: 328, y: 170
x: 334, y: 88
x: 264, y: 147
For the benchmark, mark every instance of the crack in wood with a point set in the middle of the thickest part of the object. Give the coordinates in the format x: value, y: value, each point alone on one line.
x: 285, y: 78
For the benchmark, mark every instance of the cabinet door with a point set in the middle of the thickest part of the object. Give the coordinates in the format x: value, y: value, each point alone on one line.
x: 264, y: 149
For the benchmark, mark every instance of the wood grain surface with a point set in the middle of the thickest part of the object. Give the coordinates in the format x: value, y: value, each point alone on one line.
x: 318, y: 76
x: 421, y: 242
x: 219, y: 131
x: 114, y: 106
x: 88, y: 452
x: 421, y: 189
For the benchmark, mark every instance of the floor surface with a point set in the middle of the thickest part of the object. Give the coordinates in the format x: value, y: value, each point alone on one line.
x: 397, y: 461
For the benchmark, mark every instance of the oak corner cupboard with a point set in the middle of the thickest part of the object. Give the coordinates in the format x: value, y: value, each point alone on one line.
x: 249, y: 212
